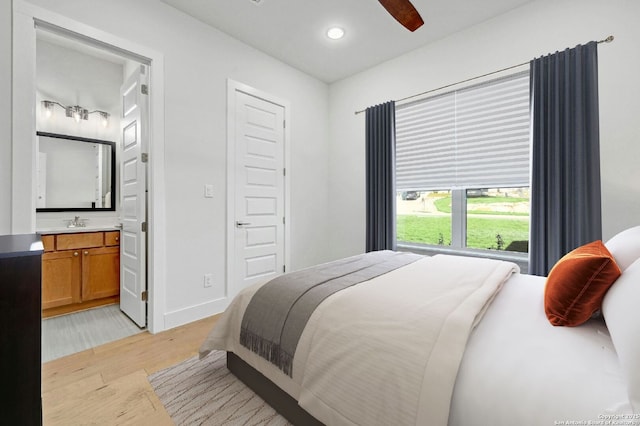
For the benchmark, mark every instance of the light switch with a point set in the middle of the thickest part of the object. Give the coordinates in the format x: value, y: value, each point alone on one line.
x: 208, y: 191
x: 208, y: 280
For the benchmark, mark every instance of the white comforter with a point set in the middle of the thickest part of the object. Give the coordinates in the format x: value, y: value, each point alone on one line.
x: 386, y: 351
x: 518, y: 369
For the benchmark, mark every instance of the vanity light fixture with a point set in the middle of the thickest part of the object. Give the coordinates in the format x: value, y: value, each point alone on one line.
x: 76, y: 112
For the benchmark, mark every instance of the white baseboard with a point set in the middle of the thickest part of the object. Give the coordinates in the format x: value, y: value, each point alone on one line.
x: 194, y: 313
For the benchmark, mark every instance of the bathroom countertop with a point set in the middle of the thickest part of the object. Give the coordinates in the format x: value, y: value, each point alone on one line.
x: 77, y: 229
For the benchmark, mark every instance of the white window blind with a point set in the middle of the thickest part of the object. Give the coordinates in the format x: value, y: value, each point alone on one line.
x: 477, y: 137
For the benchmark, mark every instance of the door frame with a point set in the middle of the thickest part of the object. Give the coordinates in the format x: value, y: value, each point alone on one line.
x: 232, y: 87
x: 23, y: 179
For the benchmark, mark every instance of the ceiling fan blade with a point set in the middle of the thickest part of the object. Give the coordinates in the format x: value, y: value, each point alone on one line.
x: 404, y: 12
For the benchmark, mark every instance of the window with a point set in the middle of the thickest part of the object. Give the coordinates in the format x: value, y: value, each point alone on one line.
x: 462, y: 167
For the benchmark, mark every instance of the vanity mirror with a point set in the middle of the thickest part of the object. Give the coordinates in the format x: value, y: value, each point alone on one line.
x: 75, y: 174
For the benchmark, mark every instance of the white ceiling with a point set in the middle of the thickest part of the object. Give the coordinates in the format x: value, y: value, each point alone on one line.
x: 294, y: 30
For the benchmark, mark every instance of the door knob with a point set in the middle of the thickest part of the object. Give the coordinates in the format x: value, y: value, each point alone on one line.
x: 240, y: 224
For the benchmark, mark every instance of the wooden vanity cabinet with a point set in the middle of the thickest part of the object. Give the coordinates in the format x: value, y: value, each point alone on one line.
x: 79, y: 271
x: 100, y: 273
x: 60, y: 278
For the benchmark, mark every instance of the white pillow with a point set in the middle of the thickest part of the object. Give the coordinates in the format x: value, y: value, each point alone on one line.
x: 625, y: 247
x: 621, y: 311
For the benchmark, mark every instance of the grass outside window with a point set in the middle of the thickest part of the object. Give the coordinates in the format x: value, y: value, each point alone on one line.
x: 495, y: 222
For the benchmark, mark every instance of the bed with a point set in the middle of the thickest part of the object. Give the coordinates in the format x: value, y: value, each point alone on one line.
x: 369, y: 353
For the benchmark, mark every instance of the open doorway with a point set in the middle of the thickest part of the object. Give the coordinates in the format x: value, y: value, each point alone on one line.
x: 26, y: 18
x: 98, y: 247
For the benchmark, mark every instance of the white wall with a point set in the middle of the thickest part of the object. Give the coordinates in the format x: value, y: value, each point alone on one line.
x: 536, y: 29
x: 5, y: 116
x: 71, y: 77
x: 198, y: 60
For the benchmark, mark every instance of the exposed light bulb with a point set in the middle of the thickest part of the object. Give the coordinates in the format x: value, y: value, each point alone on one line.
x: 105, y: 118
x: 335, y: 33
x: 48, y: 108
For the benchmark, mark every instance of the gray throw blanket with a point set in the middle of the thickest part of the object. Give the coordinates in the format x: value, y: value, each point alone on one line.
x: 278, y: 312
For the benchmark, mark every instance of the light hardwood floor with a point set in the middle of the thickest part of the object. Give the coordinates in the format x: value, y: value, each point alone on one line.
x: 107, y: 385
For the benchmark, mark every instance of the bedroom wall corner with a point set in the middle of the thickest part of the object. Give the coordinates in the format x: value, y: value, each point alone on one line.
x: 6, y: 42
x: 535, y: 29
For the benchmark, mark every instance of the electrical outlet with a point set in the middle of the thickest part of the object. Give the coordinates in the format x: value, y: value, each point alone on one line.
x: 208, y: 280
x: 208, y: 191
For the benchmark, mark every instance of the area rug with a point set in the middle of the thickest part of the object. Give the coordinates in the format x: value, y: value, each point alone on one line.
x: 204, y: 392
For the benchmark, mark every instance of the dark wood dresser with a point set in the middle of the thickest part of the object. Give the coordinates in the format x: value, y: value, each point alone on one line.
x: 20, y: 329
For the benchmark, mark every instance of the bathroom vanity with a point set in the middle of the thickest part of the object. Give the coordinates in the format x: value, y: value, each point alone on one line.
x: 80, y: 270
x: 81, y: 263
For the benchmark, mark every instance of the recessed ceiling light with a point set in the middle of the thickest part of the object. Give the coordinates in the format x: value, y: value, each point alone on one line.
x: 335, y: 33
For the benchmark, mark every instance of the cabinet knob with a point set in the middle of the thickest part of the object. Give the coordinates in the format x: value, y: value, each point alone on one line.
x: 75, y: 253
x: 117, y: 238
x: 86, y: 252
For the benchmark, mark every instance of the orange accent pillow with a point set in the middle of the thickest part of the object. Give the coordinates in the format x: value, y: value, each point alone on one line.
x: 577, y: 284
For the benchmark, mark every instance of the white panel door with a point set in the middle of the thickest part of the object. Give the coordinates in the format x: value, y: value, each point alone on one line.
x: 259, y: 190
x: 133, y: 198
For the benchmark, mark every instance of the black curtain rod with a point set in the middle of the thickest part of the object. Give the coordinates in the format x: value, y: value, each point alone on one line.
x: 606, y: 40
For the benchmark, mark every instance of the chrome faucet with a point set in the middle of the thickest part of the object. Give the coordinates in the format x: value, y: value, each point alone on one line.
x: 76, y: 222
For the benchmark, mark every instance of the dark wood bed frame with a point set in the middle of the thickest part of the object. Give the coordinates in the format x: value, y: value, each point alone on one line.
x: 281, y: 401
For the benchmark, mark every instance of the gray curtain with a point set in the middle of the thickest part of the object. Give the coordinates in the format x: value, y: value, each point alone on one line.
x: 380, y: 177
x: 565, y: 182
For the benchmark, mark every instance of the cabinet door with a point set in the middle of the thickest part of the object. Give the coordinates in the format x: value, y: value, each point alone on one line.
x: 60, y: 278
x: 100, y: 273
